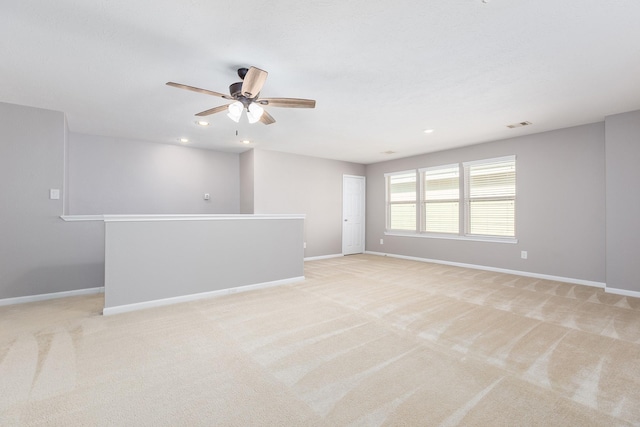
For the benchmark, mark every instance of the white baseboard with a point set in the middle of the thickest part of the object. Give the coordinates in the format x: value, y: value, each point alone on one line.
x: 497, y: 270
x: 107, y: 311
x: 316, y: 258
x: 53, y: 295
x: 623, y: 292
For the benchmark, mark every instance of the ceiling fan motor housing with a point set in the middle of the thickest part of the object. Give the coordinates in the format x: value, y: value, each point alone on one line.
x: 235, y: 89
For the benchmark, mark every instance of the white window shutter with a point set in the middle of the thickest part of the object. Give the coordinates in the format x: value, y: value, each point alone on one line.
x: 401, y: 201
x: 490, y: 193
x: 441, y: 199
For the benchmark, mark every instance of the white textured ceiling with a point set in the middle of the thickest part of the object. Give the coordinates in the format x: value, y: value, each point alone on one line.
x: 381, y: 71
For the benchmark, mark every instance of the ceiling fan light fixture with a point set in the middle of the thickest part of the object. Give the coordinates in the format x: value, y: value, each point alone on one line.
x: 235, y: 111
x: 254, y: 112
x: 246, y: 95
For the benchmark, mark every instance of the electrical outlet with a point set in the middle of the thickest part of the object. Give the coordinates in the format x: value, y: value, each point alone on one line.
x: 523, y: 254
x: 207, y: 196
x: 382, y: 241
x: 304, y: 245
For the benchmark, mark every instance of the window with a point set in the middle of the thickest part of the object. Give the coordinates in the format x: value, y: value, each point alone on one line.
x: 490, y: 197
x: 486, y: 211
x: 440, y: 199
x: 401, y: 201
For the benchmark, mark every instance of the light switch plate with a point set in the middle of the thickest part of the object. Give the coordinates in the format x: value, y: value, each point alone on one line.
x: 54, y: 194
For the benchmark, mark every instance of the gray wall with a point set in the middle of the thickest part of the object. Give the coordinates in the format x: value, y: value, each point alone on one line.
x: 289, y: 183
x: 623, y: 200
x: 560, y: 206
x: 246, y: 182
x: 39, y: 252
x: 122, y: 176
x: 154, y: 260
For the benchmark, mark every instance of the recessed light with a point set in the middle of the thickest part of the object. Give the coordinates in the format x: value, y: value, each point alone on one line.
x: 202, y: 123
x: 246, y: 142
x: 388, y: 152
x: 183, y: 140
x: 428, y: 130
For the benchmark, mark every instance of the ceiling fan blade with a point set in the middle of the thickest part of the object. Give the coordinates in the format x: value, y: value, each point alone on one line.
x: 213, y: 110
x: 266, y: 118
x: 253, y: 82
x: 288, y: 102
x: 197, y: 89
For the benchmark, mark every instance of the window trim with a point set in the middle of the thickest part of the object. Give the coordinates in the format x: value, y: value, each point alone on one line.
x: 445, y: 236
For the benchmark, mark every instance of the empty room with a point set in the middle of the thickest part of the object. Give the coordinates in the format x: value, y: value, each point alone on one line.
x: 328, y: 213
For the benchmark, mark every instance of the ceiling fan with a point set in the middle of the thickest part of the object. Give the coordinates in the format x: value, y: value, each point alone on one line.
x: 245, y: 95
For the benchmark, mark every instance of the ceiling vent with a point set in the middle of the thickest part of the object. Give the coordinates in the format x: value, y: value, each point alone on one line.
x: 518, y: 125
x: 388, y: 152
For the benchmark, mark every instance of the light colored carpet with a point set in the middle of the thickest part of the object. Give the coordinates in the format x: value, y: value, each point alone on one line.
x: 364, y: 341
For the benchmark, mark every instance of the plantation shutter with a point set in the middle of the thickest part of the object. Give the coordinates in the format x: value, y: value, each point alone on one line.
x: 401, y: 201
x: 441, y: 199
x: 490, y: 190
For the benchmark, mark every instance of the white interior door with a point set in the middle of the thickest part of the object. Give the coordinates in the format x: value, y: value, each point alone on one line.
x: 353, y: 210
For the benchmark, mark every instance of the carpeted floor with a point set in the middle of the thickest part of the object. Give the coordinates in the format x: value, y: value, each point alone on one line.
x: 364, y: 341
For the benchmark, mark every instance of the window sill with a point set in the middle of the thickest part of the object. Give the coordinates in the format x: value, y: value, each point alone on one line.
x: 511, y: 240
